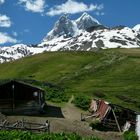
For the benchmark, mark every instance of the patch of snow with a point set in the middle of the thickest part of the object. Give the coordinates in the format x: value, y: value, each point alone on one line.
x: 137, y: 28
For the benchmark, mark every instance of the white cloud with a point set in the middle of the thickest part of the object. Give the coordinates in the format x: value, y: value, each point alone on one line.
x: 36, y: 6
x: 2, y: 1
x: 73, y: 7
x: 5, y: 38
x: 4, y: 21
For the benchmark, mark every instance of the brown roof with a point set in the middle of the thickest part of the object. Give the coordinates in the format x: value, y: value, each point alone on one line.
x: 102, y: 109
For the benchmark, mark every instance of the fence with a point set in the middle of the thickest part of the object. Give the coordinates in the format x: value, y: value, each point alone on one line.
x: 24, y: 125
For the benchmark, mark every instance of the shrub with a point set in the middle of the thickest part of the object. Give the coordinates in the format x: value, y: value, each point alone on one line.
x: 56, y: 95
x: 82, y: 102
x: 130, y: 135
x: 25, y: 135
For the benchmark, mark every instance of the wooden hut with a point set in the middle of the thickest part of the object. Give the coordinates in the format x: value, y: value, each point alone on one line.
x: 113, y: 117
x: 21, y: 98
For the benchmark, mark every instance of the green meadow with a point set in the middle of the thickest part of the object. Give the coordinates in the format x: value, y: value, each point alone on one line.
x: 112, y: 74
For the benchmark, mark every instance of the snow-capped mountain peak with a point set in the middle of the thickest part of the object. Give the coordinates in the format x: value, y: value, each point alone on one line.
x: 64, y: 18
x: 71, y: 28
x: 89, y: 34
x: 86, y: 21
x: 63, y: 27
x: 137, y: 28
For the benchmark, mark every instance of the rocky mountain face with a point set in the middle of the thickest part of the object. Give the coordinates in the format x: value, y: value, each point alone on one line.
x: 83, y: 34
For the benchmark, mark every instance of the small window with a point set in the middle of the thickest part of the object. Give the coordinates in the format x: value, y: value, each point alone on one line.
x: 35, y: 94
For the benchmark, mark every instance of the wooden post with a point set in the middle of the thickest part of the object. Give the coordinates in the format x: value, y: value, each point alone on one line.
x: 48, y: 127
x: 23, y: 126
x: 13, y: 101
x: 116, y: 121
x: 39, y: 94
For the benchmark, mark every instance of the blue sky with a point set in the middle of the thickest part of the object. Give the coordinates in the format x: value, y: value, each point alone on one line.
x: 28, y: 21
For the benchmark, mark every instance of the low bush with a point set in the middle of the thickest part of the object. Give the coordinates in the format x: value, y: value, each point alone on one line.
x: 57, y: 95
x: 82, y: 101
x: 25, y: 135
x: 130, y: 135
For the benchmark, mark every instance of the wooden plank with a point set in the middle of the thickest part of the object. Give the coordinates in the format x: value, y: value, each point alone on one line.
x: 116, y: 121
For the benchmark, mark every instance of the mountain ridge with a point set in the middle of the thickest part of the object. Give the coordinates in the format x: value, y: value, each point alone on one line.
x: 82, y: 34
x: 92, y: 35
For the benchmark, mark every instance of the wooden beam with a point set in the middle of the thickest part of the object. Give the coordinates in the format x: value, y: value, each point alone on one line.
x: 116, y: 121
x: 13, y: 102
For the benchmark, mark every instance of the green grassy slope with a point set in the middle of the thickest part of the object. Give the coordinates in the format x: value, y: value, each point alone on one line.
x: 110, y: 74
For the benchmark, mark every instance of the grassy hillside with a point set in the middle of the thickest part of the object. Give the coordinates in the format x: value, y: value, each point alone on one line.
x: 110, y: 74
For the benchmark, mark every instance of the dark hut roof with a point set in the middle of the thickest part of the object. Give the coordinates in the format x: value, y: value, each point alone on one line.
x: 125, y: 108
x: 20, y: 82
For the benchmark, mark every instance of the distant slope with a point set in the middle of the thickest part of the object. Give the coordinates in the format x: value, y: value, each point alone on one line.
x: 110, y: 74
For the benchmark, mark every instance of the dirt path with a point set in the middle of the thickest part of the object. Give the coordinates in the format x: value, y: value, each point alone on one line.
x: 71, y: 112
